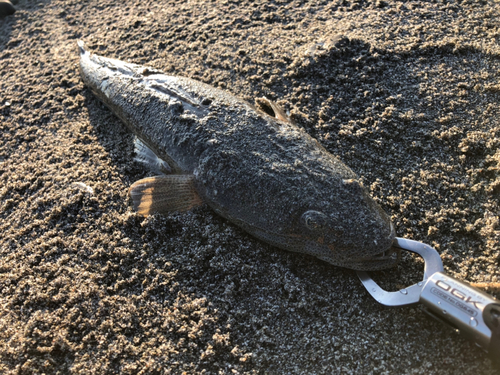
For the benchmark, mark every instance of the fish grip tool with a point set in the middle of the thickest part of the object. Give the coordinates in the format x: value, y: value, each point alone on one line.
x: 471, y: 312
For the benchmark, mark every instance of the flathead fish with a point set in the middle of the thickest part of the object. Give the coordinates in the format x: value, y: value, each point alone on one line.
x: 250, y: 164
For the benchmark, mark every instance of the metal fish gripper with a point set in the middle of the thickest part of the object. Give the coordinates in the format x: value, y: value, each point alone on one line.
x: 468, y: 310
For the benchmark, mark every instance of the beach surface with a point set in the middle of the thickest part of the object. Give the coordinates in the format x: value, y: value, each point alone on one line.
x: 405, y: 93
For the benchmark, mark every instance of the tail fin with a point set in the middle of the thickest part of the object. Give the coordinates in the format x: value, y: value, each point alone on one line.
x: 81, y: 47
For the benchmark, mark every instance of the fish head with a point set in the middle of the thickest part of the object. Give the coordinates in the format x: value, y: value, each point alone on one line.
x: 336, y: 221
x: 347, y: 229
x: 317, y: 206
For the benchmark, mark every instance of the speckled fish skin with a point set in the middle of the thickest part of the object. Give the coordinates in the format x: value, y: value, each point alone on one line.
x: 265, y: 175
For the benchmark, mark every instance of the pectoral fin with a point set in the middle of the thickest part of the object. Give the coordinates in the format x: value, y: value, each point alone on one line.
x: 146, y: 156
x: 164, y: 194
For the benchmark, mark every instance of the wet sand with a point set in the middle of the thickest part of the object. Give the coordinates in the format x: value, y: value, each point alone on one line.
x: 405, y: 93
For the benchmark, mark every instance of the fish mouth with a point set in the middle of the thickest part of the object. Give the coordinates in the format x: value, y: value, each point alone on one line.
x: 385, y: 259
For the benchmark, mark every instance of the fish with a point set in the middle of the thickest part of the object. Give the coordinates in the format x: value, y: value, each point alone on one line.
x: 250, y: 163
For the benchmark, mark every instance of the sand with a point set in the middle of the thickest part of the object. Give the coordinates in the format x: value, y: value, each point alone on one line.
x: 405, y: 93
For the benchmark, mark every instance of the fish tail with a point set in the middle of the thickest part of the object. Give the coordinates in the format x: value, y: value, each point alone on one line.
x: 81, y: 47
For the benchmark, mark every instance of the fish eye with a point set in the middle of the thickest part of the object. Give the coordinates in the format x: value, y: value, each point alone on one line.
x: 314, y: 220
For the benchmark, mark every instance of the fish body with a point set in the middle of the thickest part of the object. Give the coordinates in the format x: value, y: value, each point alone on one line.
x: 261, y: 172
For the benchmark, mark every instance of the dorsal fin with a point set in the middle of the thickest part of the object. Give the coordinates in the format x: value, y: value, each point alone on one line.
x: 271, y: 108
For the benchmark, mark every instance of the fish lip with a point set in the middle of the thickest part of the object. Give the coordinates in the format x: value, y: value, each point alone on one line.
x: 393, y: 253
x: 385, y: 259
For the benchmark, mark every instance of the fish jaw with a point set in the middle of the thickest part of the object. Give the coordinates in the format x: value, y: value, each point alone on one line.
x: 374, y: 255
x: 378, y: 254
x: 387, y: 259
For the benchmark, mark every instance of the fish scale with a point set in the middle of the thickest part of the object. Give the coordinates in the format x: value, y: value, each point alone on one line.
x: 260, y: 171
